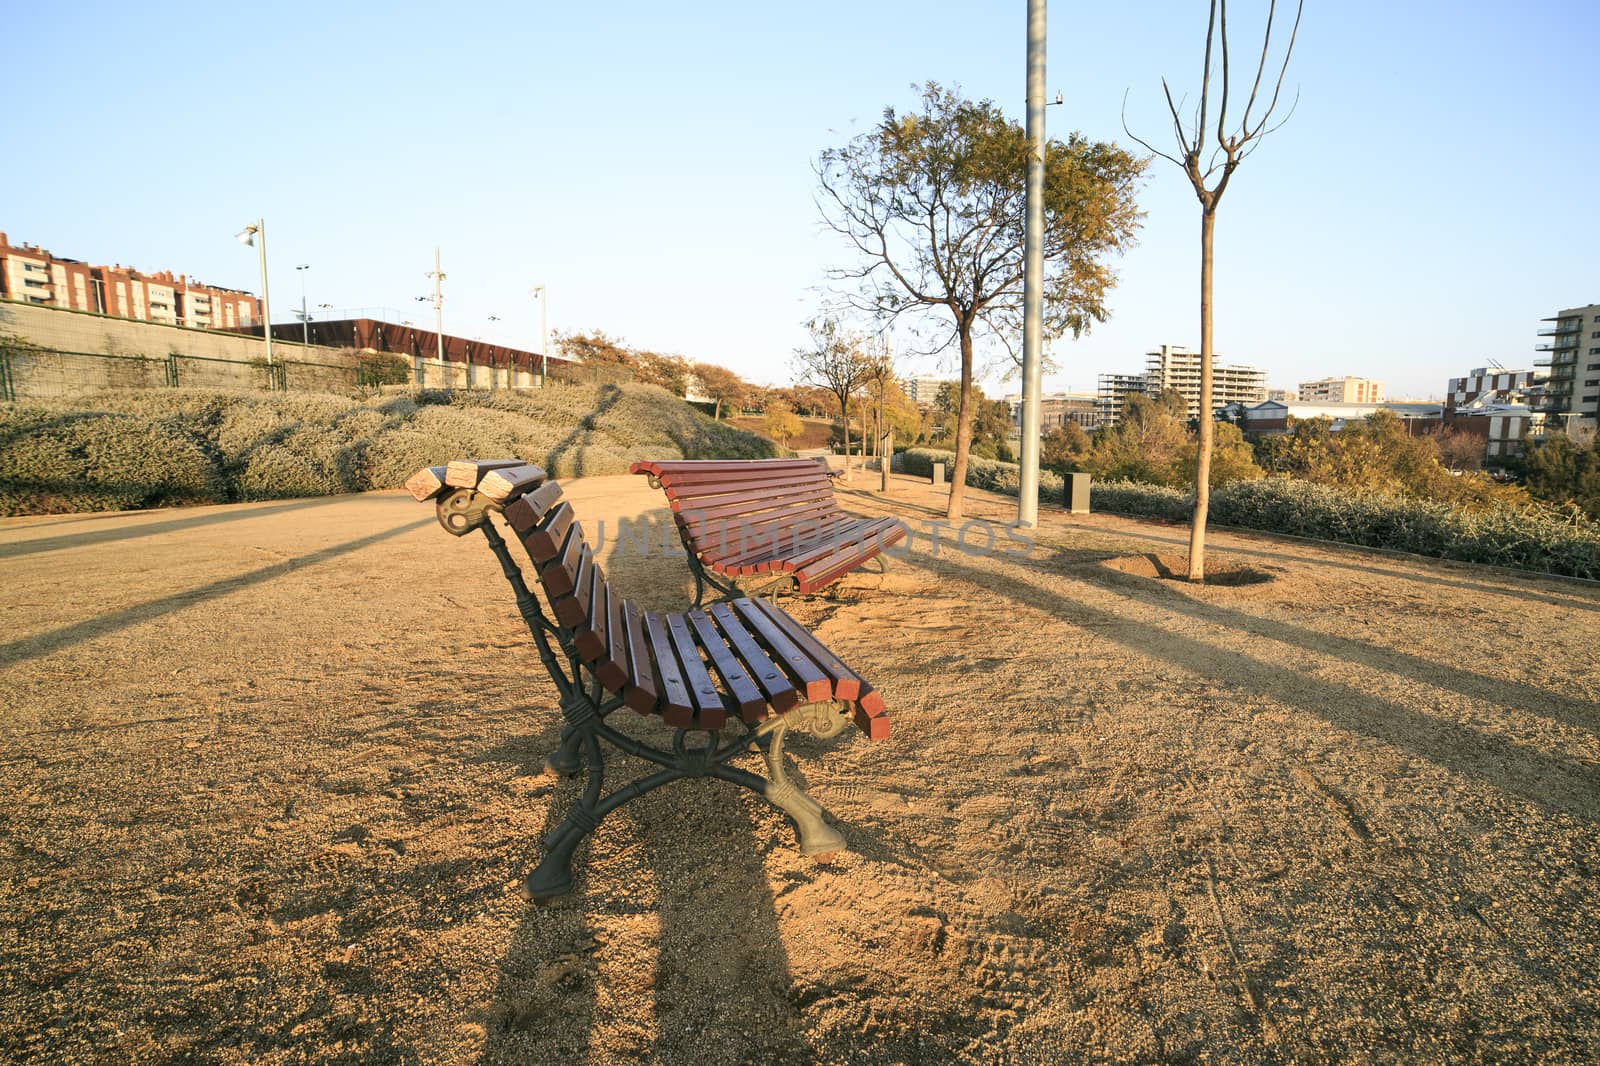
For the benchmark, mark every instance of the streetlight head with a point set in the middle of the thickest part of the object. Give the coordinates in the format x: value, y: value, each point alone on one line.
x: 246, y: 236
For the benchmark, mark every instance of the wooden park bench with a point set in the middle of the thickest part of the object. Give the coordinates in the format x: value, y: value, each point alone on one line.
x: 771, y: 520
x: 746, y: 663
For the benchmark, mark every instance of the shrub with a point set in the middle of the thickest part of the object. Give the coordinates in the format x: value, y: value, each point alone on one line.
x: 137, y: 448
x: 54, y: 462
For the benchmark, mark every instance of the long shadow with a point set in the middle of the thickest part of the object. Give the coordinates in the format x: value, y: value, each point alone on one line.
x: 1552, y: 781
x: 717, y: 929
x: 583, y: 433
x: 45, y: 643
x: 1475, y: 686
x: 150, y: 529
x: 1578, y: 600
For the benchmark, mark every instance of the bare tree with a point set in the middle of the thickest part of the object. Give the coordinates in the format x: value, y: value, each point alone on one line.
x: 836, y: 361
x: 877, y: 379
x: 931, y: 202
x: 1222, y: 159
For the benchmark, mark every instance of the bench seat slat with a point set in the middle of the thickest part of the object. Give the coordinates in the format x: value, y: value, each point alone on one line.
x: 613, y: 669
x: 675, y: 704
x: 716, y: 538
x: 642, y: 693
x: 709, y: 710
x: 811, y: 679
x: 591, y: 638
x: 746, y: 696
x: 854, y: 532
x: 826, y: 571
x: 846, y: 682
x: 760, y: 553
x: 780, y: 691
x: 526, y: 510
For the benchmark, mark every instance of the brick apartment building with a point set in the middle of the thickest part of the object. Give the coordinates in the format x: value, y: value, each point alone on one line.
x: 30, y: 274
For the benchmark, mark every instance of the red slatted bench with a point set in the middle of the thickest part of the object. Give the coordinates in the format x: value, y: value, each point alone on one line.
x: 743, y: 663
x: 771, y: 520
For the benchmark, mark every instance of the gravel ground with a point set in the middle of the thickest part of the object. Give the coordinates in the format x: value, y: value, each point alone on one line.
x: 271, y: 773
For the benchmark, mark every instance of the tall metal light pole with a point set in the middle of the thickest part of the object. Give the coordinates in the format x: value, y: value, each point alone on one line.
x: 1033, y: 273
x: 543, y: 294
x: 248, y: 235
x: 305, y: 317
x: 437, y: 274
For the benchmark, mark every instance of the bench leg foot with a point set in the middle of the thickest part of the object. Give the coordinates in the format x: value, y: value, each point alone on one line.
x: 565, y: 760
x: 817, y: 837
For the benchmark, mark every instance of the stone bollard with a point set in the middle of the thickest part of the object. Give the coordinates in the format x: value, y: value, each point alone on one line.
x: 1075, y: 493
x: 938, y: 474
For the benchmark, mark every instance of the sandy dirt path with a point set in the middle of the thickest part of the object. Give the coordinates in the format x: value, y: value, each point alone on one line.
x: 271, y: 772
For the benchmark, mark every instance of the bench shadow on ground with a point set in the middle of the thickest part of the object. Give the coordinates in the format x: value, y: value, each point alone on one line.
x: 227, y: 513
x: 104, y: 624
x: 1552, y: 781
x: 685, y: 858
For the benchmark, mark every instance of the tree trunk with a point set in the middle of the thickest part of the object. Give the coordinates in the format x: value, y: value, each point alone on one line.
x: 1202, y: 468
x: 958, y: 475
x: 844, y: 410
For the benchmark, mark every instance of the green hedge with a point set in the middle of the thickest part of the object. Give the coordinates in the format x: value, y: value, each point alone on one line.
x: 1520, y: 538
x: 145, y: 448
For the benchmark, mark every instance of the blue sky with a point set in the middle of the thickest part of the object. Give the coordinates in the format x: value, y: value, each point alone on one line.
x: 1432, y: 198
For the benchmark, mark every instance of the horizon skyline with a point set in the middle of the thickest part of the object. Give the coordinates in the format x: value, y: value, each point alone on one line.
x: 333, y: 314
x: 1372, y: 238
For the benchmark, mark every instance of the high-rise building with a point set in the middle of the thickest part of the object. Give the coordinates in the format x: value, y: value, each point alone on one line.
x: 1571, y: 397
x: 1175, y: 367
x: 1341, y: 390
x: 30, y: 274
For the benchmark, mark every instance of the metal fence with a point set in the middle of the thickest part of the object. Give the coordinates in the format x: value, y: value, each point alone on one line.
x: 30, y: 372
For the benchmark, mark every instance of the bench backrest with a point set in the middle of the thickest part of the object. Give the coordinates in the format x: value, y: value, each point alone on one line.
x: 724, y: 506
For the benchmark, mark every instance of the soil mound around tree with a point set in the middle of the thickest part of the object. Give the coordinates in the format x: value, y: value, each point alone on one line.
x: 1220, y: 572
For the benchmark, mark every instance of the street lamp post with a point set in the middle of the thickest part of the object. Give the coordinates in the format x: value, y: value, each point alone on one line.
x: 248, y: 235
x: 543, y: 293
x: 305, y: 317
x: 437, y: 274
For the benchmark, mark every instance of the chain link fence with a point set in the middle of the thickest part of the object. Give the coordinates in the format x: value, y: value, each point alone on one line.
x: 34, y: 373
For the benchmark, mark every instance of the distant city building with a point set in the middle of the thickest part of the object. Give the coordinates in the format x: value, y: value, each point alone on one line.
x: 1274, y: 416
x: 1058, y: 409
x: 1571, y: 398
x: 30, y: 274
x: 1175, y: 367
x: 1284, y: 395
x: 1341, y: 390
x: 1498, y: 405
x: 923, y: 390
x: 1112, y: 395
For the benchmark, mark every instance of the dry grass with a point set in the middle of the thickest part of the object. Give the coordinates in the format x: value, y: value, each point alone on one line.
x: 271, y: 770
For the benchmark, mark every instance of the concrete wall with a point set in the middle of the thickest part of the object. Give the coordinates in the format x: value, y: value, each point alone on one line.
x: 79, y: 331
